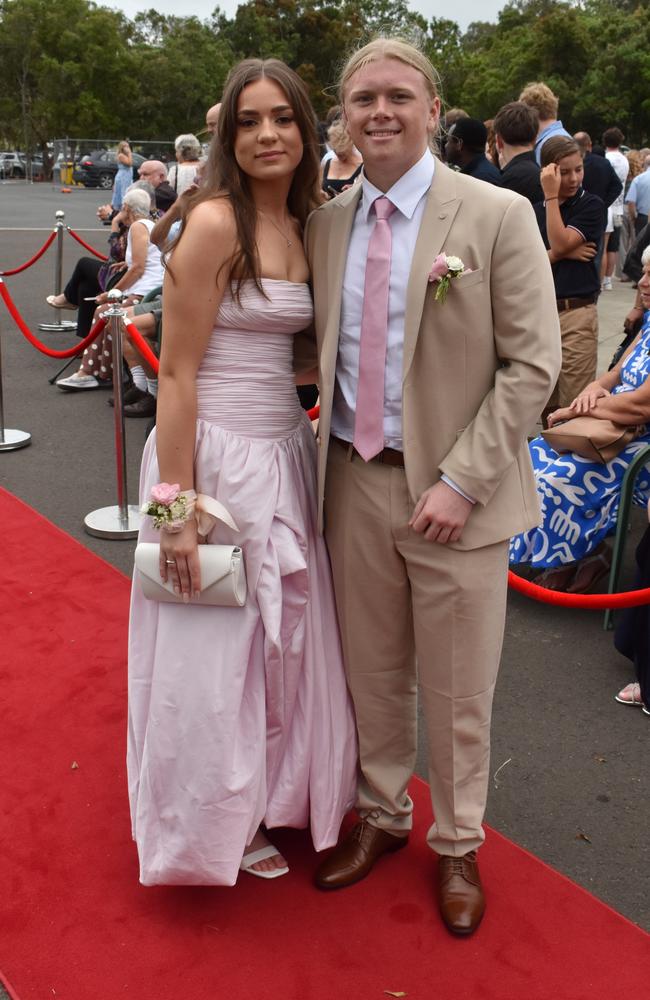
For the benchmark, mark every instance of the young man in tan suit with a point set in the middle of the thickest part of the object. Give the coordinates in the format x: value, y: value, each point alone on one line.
x: 425, y: 477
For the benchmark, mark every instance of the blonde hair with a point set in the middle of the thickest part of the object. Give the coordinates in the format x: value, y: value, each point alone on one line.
x: 635, y: 160
x: 391, y: 48
x: 542, y: 98
x: 338, y: 137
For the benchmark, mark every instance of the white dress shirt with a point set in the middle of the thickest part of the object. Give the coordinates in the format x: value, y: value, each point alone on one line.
x: 408, y: 195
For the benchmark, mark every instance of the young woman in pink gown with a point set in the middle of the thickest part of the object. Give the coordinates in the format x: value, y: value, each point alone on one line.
x: 239, y: 718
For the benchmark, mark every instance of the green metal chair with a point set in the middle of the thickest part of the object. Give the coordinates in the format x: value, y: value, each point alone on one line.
x: 622, y: 524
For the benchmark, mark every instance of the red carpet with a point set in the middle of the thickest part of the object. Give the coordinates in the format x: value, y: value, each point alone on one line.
x: 75, y: 924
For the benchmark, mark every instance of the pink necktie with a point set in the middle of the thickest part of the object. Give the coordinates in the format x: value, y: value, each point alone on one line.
x: 369, y: 418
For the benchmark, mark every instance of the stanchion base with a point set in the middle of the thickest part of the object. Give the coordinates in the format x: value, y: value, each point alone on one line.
x: 12, y: 439
x: 107, y: 522
x: 63, y: 327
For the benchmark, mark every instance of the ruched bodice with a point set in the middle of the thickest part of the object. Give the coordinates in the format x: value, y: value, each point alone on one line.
x: 245, y: 382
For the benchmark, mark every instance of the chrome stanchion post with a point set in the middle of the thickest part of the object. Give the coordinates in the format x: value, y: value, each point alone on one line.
x: 122, y: 521
x: 10, y: 439
x: 61, y: 325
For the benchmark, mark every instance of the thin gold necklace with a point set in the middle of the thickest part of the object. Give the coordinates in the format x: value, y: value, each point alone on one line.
x: 275, y: 226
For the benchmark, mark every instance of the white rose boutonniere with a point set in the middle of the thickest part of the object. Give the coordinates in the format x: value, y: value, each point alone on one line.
x: 444, y: 269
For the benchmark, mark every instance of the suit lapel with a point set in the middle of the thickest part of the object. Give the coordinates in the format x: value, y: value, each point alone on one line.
x: 342, y: 217
x: 439, y: 212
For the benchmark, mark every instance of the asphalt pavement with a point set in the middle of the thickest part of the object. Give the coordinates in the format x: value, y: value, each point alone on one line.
x: 569, y: 764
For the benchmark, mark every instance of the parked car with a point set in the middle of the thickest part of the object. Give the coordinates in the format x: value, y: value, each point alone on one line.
x: 14, y: 164
x: 98, y: 169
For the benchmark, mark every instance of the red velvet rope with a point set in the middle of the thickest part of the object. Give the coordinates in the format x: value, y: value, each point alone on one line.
x: 8, y: 987
x: 86, y: 245
x: 592, y: 602
x: 32, y: 260
x: 141, y: 345
x: 27, y: 333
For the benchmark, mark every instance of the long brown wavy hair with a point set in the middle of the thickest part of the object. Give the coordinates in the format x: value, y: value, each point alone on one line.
x: 223, y: 178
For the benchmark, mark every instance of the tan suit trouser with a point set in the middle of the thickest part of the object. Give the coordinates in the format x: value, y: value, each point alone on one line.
x: 399, y: 598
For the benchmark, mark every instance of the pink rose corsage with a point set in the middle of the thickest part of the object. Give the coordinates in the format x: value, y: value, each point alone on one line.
x: 443, y: 271
x: 169, y: 507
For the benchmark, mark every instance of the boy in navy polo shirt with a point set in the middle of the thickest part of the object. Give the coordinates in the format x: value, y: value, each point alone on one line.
x: 571, y: 223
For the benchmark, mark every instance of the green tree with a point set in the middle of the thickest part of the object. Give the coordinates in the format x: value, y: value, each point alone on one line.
x: 180, y: 65
x: 444, y: 47
x: 64, y: 70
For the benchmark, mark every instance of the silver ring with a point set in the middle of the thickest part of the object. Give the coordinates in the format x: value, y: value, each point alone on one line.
x: 170, y: 562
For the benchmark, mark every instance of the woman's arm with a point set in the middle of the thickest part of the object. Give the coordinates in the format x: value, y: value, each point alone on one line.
x: 125, y: 158
x: 626, y: 407
x: 191, y: 300
x: 139, y: 250
x: 307, y: 377
x: 597, y: 392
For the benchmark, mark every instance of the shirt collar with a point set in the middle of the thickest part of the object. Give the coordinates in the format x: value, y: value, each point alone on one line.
x: 470, y: 167
x: 555, y: 126
x: 570, y: 202
x: 406, y: 192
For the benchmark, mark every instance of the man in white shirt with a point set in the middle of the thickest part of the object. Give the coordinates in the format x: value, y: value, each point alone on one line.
x: 612, y: 139
x: 424, y: 472
x: 637, y: 198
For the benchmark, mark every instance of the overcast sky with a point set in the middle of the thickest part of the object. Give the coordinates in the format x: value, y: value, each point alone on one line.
x: 462, y: 11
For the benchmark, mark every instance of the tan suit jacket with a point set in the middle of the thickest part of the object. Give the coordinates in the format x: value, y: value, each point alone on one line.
x: 479, y: 368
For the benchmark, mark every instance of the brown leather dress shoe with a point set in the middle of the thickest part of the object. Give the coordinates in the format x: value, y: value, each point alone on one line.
x: 354, y: 857
x: 462, y: 903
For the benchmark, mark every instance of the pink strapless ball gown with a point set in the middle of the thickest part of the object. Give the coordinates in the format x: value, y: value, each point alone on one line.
x: 240, y: 716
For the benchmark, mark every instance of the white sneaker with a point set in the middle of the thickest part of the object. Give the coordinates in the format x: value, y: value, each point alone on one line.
x: 607, y: 284
x: 78, y: 381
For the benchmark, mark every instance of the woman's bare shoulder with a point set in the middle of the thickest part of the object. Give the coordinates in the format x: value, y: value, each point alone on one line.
x: 213, y: 217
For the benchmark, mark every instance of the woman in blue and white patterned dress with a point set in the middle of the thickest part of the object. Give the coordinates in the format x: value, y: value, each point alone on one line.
x: 580, y: 498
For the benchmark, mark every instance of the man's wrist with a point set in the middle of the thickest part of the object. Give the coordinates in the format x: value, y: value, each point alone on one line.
x: 449, y: 482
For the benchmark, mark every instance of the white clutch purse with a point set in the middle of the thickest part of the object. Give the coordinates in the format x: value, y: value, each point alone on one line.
x: 223, y: 578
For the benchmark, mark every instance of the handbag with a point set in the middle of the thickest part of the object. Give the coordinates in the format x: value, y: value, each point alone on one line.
x: 223, y: 578
x: 592, y: 438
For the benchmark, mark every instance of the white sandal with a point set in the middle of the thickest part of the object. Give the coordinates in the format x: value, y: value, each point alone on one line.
x: 630, y: 695
x: 264, y: 852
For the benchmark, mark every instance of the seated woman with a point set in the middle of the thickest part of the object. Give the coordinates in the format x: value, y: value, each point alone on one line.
x: 91, y: 276
x: 143, y: 273
x: 343, y: 169
x: 580, y: 498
